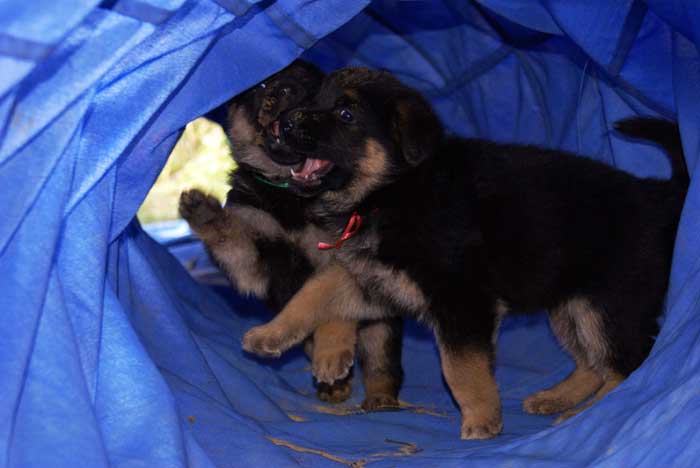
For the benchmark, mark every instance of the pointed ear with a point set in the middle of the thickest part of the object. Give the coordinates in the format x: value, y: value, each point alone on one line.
x: 415, y: 128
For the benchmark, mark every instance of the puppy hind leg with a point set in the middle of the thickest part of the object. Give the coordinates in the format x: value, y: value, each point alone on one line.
x: 631, y: 325
x: 581, y: 329
x: 612, y: 380
x: 566, y: 322
x: 379, y: 346
x: 571, y: 391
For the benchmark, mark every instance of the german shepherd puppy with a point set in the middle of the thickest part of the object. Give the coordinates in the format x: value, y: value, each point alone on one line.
x: 262, y: 241
x: 457, y: 232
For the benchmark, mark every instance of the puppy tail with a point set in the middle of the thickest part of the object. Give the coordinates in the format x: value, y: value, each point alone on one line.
x: 665, y: 134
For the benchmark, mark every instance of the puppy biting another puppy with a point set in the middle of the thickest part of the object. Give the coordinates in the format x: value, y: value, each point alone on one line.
x: 262, y: 241
x: 455, y: 232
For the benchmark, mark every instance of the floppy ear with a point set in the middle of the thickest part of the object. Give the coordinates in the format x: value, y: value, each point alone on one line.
x: 415, y: 128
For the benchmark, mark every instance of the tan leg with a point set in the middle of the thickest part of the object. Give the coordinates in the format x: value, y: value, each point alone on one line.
x: 333, y: 351
x: 469, y: 376
x: 380, y: 359
x: 322, y: 299
x: 299, y: 318
x: 578, y: 386
x: 612, y: 380
x: 381, y: 393
x: 579, y: 328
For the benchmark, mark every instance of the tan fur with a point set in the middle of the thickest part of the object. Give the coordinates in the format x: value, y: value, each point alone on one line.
x: 307, y: 240
x: 230, y: 241
x: 374, y: 337
x: 579, y: 329
x: 247, y: 146
x: 381, y: 392
x: 468, y: 374
x: 395, y: 284
x: 241, y: 264
x: 334, y: 350
x: 257, y: 222
x: 230, y: 237
x: 578, y: 386
x: 330, y: 294
x: 381, y: 388
x: 371, y: 170
x: 240, y: 129
x: 300, y: 317
x: 612, y: 380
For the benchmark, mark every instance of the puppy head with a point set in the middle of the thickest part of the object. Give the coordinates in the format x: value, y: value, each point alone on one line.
x: 362, y: 131
x: 253, y: 125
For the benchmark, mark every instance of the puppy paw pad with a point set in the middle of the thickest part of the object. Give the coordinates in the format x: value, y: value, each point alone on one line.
x: 198, y: 208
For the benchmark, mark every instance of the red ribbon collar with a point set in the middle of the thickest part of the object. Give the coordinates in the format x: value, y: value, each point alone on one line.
x: 350, y: 230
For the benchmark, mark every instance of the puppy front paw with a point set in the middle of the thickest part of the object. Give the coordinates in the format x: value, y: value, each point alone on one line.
x: 267, y: 341
x: 198, y: 208
x: 330, y: 365
x: 479, y: 427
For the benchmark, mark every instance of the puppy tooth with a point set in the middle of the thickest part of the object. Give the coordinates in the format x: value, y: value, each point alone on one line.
x: 278, y: 140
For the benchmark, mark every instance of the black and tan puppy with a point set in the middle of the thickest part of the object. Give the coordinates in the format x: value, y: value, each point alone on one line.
x: 262, y: 240
x: 457, y: 232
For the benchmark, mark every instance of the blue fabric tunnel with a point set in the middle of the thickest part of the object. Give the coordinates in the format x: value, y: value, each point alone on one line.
x: 112, y: 355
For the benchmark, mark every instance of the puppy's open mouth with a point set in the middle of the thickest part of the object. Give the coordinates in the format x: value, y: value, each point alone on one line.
x: 307, y: 172
x: 311, y: 171
x: 275, y: 130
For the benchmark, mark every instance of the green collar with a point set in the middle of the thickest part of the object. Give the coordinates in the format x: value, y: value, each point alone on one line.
x: 269, y: 182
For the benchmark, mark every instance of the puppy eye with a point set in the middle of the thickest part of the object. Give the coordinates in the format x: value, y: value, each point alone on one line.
x: 345, y: 115
x: 285, y: 91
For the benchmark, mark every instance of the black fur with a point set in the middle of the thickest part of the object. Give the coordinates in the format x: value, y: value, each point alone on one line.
x: 474, y: 223
x: 286, y: 266
x: 265, y: 186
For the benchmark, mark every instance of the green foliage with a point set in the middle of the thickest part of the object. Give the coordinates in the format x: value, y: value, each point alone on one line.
x: 201, y: 159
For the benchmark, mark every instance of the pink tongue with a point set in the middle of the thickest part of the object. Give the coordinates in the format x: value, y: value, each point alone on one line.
x: 311, y: 166
x: 276, y: 128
